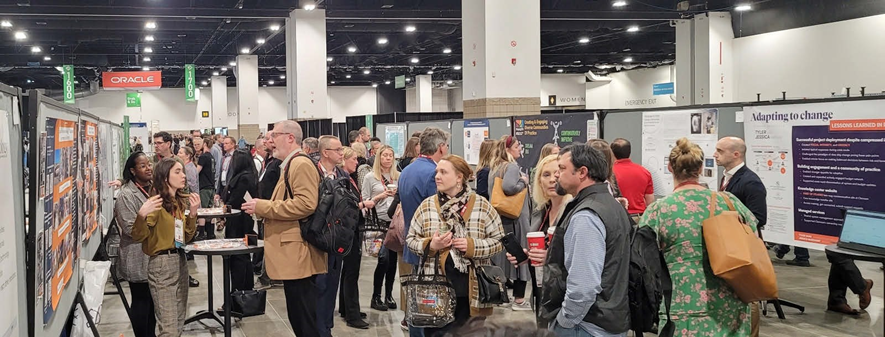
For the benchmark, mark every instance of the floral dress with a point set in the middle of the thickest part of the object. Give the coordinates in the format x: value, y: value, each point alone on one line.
x: 702, y: 303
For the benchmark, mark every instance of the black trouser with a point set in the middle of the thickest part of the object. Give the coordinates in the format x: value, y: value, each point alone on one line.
x: 349, y: 298
x: 536, y: 300
x: 843, y: 275
x: 519, y: 288
x: 241, y: 275
x: 462, y: 315
x: 386, y: 270
x: 301, y: 303
x: 141, y: 309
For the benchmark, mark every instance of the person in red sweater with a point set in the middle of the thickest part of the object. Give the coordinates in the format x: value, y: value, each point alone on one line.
x: 633, y: 179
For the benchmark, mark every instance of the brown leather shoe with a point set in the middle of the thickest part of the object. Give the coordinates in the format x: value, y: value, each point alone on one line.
x: 865, y: 297
x: 843, y: 308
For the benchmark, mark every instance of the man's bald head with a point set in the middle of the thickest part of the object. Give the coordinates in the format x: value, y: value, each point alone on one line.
x: 735, y: 144
x: 730, y: 152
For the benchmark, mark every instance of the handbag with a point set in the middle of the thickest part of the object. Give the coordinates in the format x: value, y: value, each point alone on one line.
x: 509, y: 206
x: 738, y: 255
x: 430, y: 298
x: 249, y: 302
x: 490, y: 281
x: 395, y: 239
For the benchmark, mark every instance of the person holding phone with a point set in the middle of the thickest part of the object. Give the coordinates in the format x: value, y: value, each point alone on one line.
x: 165, y: 223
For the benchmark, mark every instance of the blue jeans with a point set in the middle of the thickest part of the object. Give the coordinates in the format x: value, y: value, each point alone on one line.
x: 576, y: 331
x: 327, y: 286
x: 416, y: 332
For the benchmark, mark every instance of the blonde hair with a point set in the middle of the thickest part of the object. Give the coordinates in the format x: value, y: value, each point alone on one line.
x: 606, y: 150
x: 686, y: 159
x: 486, y: 154
x: 376, y: 168
x: 359, y: 148
x: 501, y: 157
x: 348, y: 152
x: 538, y: 194
x: 548, y: 149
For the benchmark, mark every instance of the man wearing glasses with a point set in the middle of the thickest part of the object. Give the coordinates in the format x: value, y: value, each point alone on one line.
x: 162, y: 146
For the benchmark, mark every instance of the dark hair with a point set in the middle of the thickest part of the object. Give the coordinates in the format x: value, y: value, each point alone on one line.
x: 241, y: 161
x: 410, y: 148
x: 606, y: 150
x: 375, y: 139
x: 161, y: 178
x: 621, y: 148
x: 352, y: 136
x: 586, y: 156
x: 130, y: 164
x: 163, y: 134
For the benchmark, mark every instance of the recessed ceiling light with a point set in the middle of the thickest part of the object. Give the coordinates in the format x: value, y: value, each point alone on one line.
x: 233, y: 63
x: 149, y: 38
x: 382, y: 40
x: 29, y: 81
x: 215, y: 73
x: 450, y: 82
x: 20, y: 35
x: 584, y: 40
x: 430, y: 72
x: 150, y: 25
x: 148, y: 50
x: 619, y: 3
x: 329, y: 59
x: 244, y: 50
x: 223, y: 68
x: 282, y: 77
x: 627, y: 49
x: 274, y: 27
x: 145, y: 68
x: 146, y: 59
x: 628, y: 59
x: 408, y: 79
x: 348, y: 76
x: 36, y: 49
x: 271, y: 82
x: 204, y: 83
x: 632, y: 29
x: 559, y: 70
x: 577, y: 61
x: 310, y: 7
x: 457, y: 67
x: 351, y: 49
x: 410, y: 28
x: 333, y: 82
x: 5, y: 24
x: 743, y: 7
x: 260, y: 41
x: 47, y: 58
x: 415, y: 60
x: 374, y: 85
x: 447, y: 51
x: 387, y: 82
x: 367, y: 71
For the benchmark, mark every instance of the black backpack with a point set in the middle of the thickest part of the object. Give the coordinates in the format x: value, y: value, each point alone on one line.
x: 332, y: 226
x: 649, y: 283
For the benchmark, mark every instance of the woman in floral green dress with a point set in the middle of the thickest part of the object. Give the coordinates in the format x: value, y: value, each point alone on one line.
x: 702, y: 303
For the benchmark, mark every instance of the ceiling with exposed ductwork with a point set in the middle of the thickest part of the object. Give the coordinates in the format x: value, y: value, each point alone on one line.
x: 37, y: 36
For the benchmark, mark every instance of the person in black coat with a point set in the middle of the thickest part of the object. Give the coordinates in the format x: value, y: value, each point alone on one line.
x: 267, y: 182
x: 243, y: 178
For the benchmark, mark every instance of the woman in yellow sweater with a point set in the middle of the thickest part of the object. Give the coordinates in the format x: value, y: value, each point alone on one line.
x: 165, y: 223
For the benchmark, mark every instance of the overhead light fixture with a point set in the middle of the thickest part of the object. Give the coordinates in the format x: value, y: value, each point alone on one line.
x: 149, y: 38
x: 282, y: 77
x: 408, y: 79
x: 204, y: 83
x: 310, y: 6
x: 233, y: 63
x: 450, y: 82
x: 260, y: 41
x: 628, y: 59
x: 410, y: 28
x: 146, y: 59
x: 447, y: 51
x: 215, y: 73
x: 329, y: 59
x: 274, y: 27
x: 382, y: 40
x: 244, y: 50
x: 271, y: 82
x: 351, y: 49
x: 150, y: 25
x: 577, y: 62
x: 559, y: 70
x: 60, y: 69
x: 5, y: 24
x: 415, y: 60
x: 633, y: 29
x: 29, y: 81
x: 374, y: 85
x: 36, y: 49
x: 148, y: 50
x: 584, y: 40
x: 348, y: 76
x: 223, y: 68
x: 47, y: 58
x: 457, y: 67
x: 145, y: 68
x: 743, y: 7
x: 387, y: 82
x: 430, y: 72
x: 366, y: 72
x: 619, y: 3
x: 333, y: 82
x: 20, y: 35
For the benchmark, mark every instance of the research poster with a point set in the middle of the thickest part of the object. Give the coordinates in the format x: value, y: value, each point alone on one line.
x: 89, y: 180
x: 475, y: 132
x: 60, y: 203
x: 8, y: 246
x: 395, y: 135
x: 559, y: 129
x: 815, y: 161
x: 661, y: 130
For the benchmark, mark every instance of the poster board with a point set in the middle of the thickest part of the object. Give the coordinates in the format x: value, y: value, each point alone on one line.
x: 475, y: 132
x: 13, y: 275
x: 560, y: 129
x: 89, y: 186
x: 381, y: 131
x: 815, y: 160
x: 497, y: 127
x: 661, y: 130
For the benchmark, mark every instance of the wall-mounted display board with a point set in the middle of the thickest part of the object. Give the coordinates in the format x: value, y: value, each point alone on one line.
x: 815, y: 161
x: 13, y: 275
x: 497, y: 127
x: 89, y: 178
x: 661, y: 130
x: 387, y: 132
x: 560, y: 129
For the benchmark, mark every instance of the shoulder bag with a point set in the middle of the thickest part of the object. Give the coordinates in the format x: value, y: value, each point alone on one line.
x: 509, y: 206
x: 395, y: 239
x: 490, y: 281
x: 430, y: 298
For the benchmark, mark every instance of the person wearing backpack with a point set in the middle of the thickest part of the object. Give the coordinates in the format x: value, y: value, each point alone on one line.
x: 586, y: 273
x: 287, y: 256
x: 702, y: 303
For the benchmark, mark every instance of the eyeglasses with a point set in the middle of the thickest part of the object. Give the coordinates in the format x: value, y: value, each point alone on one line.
x: 339, y: 150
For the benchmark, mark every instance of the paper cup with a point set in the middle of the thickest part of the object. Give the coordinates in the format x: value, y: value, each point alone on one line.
x: 391, y: 186
x: 535, y: 240
x: 550, y: 231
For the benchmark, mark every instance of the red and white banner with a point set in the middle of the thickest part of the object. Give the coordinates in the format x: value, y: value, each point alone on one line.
x: 125, y: 80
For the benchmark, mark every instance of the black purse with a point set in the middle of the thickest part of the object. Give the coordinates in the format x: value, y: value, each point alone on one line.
x: 490, y: 281
x: 249, y: 302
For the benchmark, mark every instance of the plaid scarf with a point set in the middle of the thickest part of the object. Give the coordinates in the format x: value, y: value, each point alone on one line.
x: 451, y: 211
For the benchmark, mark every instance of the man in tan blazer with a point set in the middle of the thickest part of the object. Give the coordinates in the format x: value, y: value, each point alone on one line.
x: 287, y: 256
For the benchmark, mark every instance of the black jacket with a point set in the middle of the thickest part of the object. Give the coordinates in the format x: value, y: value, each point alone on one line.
x: 270, y: 179
x: 750, y: 190
x: 233, y: 195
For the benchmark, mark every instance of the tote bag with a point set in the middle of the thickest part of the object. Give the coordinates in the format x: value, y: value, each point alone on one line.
x: 737, y: 255
x: 430, y: 298
x: 509, y: 206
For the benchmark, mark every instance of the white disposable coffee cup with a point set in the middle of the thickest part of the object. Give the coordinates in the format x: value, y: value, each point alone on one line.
x: 391, y: 186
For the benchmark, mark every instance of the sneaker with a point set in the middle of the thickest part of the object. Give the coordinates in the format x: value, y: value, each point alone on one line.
x: 524, y: 306
x: 261, y: 284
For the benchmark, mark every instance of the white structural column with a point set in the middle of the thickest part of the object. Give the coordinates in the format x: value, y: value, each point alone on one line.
x: 711, y: 63
x: 306, y: 86
x: 501, y: 57
x: 247, y: 89
x: 219, y: 113
x: 424, y: 93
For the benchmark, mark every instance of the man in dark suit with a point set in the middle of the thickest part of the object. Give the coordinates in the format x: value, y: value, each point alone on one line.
x: 268, y: 177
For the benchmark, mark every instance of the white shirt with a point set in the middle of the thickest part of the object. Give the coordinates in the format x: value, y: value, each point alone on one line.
x: 729, y: 174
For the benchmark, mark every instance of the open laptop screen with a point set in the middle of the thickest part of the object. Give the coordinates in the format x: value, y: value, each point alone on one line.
x: 865, y: 228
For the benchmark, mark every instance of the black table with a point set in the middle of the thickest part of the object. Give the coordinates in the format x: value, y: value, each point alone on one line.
x: 225, y: 254
x: 233, y: 213
x: 855, y: 254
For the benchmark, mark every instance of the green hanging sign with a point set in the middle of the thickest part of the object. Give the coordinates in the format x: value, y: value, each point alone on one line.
x: 133, y: 100
x: 400, y: 82
x: 68, y: 72
x: 190, y: 83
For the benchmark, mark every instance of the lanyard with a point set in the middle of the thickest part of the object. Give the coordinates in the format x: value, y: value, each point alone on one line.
x: 146, y: 195
x: 424, y: 156
x: 545, y: 219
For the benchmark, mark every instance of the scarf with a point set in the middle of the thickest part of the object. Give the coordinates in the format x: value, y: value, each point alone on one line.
x: 451, y: 213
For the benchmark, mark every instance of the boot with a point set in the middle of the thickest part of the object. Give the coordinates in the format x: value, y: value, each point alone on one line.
x: 390, y: 302
x: 377, y: 304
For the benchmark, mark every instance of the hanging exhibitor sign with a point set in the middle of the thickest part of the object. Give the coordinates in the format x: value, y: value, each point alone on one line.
x: 661, y: 130
x: 133, y: 100
x: 68, y: 81
x: 131, y: 80
x: 816, y: 160
x: 558, y: 129
x: 190, y: 83
x: 475, y: 132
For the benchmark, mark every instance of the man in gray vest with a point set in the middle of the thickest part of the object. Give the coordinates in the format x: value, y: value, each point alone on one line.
x: 586, y: 273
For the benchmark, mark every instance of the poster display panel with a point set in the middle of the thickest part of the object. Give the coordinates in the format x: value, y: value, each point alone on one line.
x: 535, y: 131
x: 661, y: 130
x: 89, y: 180
x: 9, y: 254
x: 395, y: 136
x: 475, y: 132
x: 815, y: 161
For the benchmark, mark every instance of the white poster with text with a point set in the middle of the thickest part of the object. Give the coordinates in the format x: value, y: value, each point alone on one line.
x: 661, y: 130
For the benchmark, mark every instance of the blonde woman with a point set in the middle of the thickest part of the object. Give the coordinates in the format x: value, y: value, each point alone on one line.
x: 547, y: 150
x: 380, y: 187
x: 486, y: 155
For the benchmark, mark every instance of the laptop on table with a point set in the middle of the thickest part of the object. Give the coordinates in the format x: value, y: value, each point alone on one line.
x: 863, y: 231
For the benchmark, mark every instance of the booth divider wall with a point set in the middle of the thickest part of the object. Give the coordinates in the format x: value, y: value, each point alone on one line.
x: 14, y: 320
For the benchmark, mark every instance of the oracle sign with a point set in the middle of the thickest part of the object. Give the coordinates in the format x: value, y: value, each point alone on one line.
x: 131, y: 80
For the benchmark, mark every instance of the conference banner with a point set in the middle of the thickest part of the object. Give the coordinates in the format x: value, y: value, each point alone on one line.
x: 558, y: 129
x: 190, y: 83
x: 68, y: 81
x: 816, y: 160
x: 661, y: 130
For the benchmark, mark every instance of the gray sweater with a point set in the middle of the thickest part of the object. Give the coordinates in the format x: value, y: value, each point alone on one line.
x: 372, y: 187
x: 512, y: 184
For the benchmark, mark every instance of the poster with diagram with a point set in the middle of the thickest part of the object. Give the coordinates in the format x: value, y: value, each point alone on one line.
x: 661, y: 130
x: 89, y: 182
x: 475, y: 132
x: 60, y: 207
x: 395, y: 135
